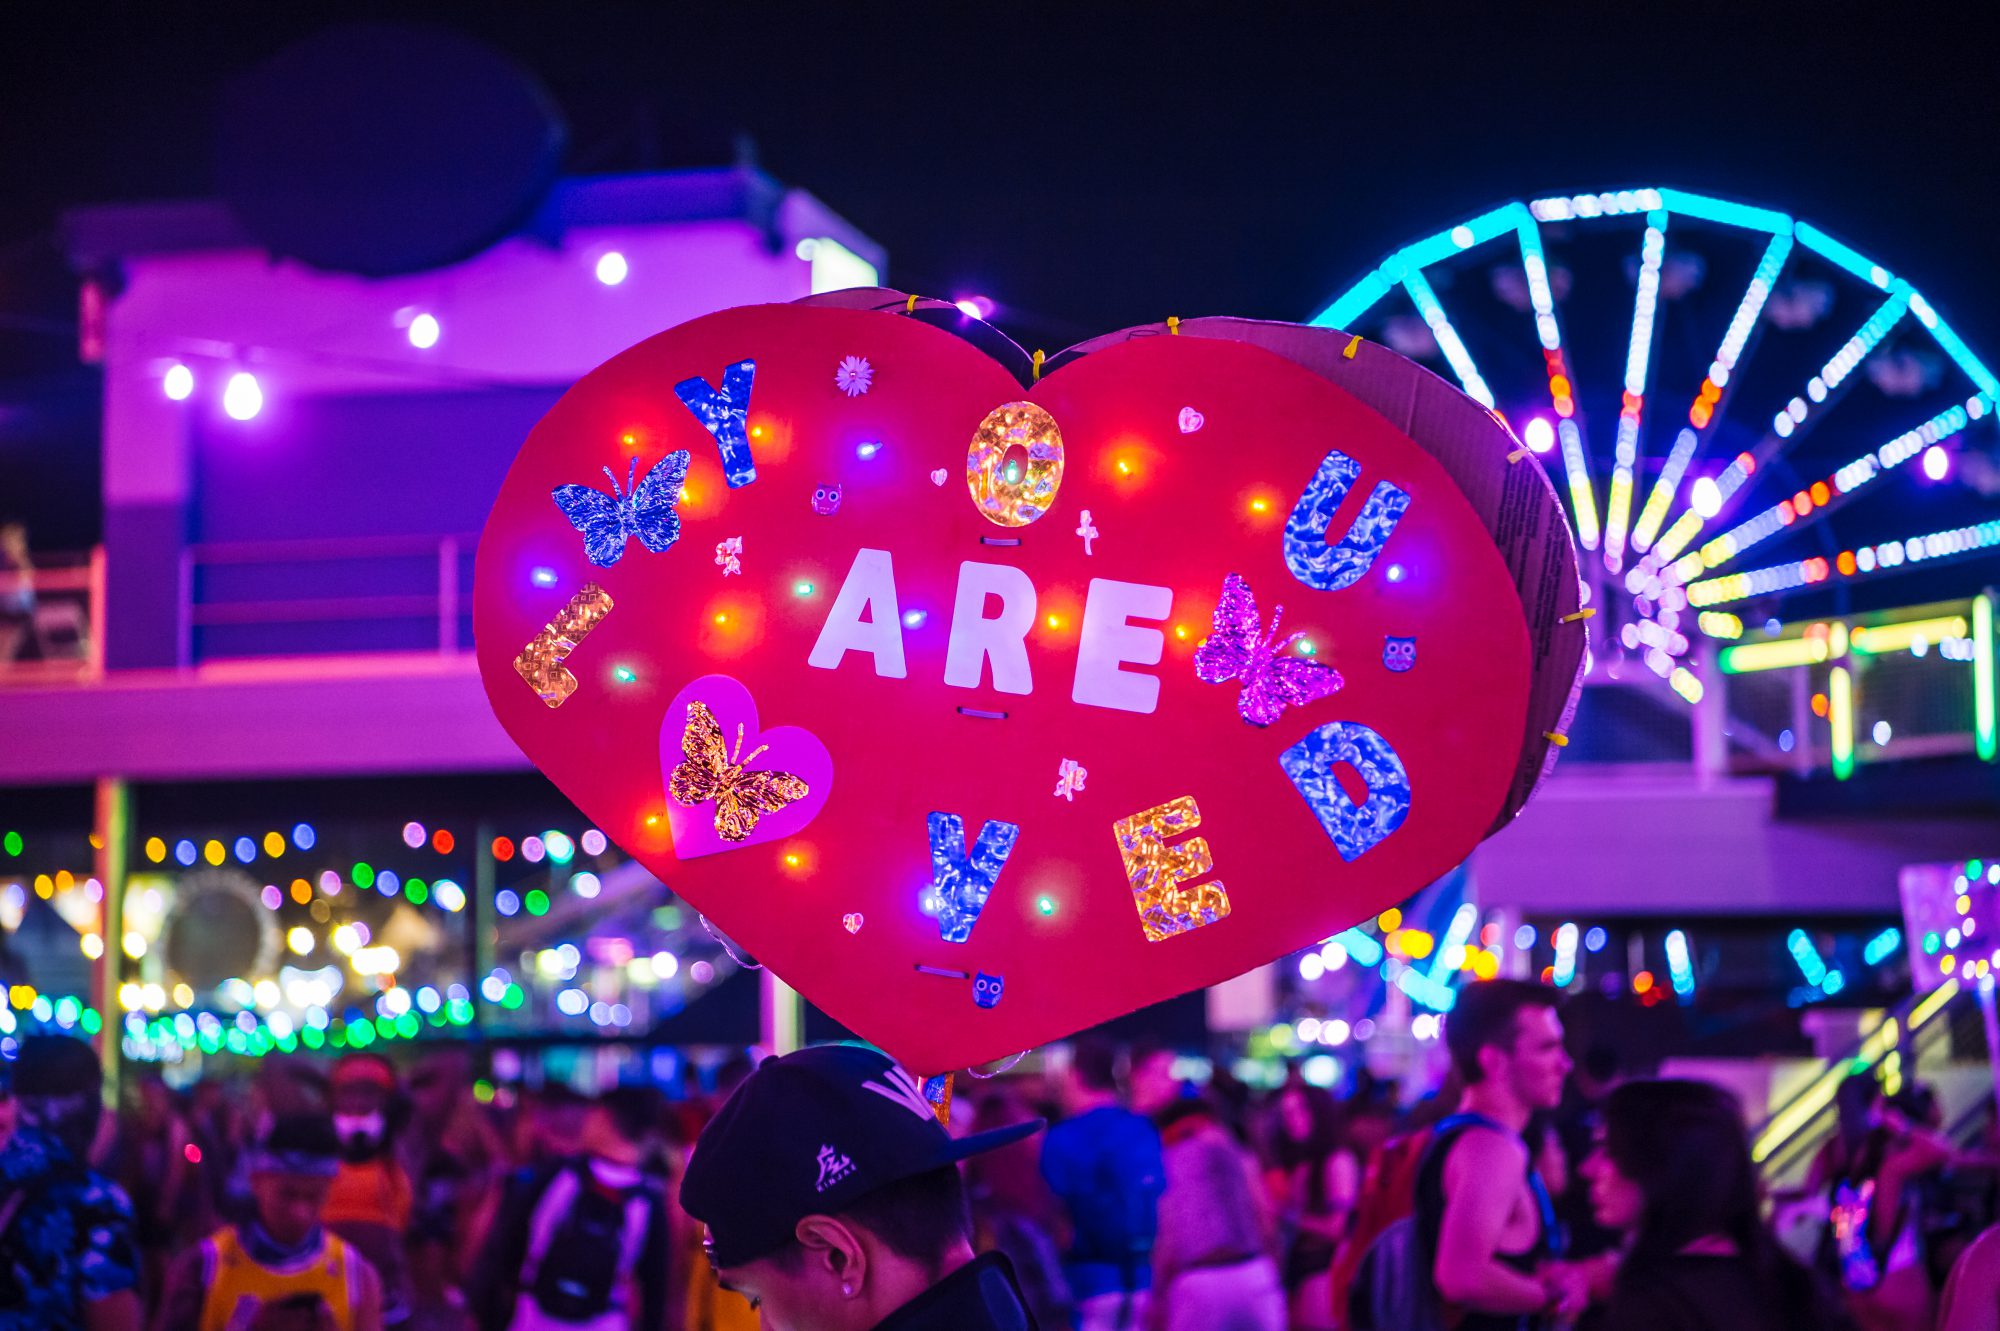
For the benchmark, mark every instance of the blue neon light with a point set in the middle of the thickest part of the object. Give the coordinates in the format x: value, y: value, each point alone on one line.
x: 1882, y: 946
x: 1842, y: 256
x: 1722, y: 210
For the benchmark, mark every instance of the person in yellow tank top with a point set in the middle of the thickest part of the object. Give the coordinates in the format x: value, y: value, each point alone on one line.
x: 281, y: 1270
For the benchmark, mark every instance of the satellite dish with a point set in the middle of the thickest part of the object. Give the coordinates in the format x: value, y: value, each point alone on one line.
x: 386, y: 148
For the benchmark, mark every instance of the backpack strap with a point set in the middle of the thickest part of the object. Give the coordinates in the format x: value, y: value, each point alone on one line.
x: 11, y: 1208
x: 551, y: 1208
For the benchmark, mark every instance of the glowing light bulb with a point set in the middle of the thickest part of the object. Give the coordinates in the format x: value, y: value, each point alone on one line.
x: 612, y: 268
x: 969, y: 308
x: 1937, y: 463
x: 1538, y: 434
x: 424, y: 331
x: 1706, y: 497
x: 243, y: 397
x: 179, y: 382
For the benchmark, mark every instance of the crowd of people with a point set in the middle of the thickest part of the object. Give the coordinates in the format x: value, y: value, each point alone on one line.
x: 819, y: 1192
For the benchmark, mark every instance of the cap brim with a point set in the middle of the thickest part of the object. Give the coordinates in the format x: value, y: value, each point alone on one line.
x: 964, y: 1148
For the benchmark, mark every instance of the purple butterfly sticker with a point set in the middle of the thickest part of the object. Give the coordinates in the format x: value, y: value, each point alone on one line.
x: 1238, y: 648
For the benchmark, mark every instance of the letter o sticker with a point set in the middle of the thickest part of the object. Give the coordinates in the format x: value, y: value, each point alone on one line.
x: 1007, y: 496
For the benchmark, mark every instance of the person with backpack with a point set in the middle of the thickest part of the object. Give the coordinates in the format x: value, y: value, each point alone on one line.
x: 1213, y: 1268
x: 1480, y: 1249
x: 1482, y: 1211
x: 582, y: 1245
x: 1103, y: 1163
x: 280, y: 1269
x: 68, y: 1256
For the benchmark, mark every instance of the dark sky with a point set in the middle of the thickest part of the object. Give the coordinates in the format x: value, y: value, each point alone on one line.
x: 1103, y: 164
x: 1098, y: 165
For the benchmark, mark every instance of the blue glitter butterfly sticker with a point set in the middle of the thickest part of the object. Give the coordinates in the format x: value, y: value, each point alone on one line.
x: 646, y: 510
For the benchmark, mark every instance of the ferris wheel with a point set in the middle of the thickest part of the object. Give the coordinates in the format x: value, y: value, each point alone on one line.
x: 1615, y: 331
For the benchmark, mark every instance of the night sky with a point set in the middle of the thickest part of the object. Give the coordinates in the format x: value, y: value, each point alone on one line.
x: 1088, y: 166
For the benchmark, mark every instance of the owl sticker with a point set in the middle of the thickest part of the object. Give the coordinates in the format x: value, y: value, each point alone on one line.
x: 986, y: 989
x: 1399, y: 654
x: 826, y: 500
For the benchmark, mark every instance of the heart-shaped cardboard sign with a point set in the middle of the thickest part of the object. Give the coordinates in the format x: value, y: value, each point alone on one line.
x: 1041, y: 727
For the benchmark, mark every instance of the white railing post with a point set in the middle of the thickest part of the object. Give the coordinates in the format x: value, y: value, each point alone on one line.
x: 448, y: 596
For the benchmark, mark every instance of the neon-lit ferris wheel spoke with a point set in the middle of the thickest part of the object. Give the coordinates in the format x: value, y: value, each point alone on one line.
x: 1785, y: 426
x: 1562, y: 393
x: 1865, y: 562
x: 1447, y: 338
x: 1714, y: 390
x: 1638, y: 362
x: 1822, y: 497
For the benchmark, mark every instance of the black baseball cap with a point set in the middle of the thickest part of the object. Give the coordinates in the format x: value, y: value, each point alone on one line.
x: 813, y: 1133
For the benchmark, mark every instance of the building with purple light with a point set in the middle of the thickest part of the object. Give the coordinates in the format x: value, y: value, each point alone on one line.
x: 256, y: 798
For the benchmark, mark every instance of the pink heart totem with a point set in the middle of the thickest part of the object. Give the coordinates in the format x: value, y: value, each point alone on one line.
x: 989, y: 727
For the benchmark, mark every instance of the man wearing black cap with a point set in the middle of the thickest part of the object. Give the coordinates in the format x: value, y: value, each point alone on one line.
x: 68, y: 1259
x: 833, y: 1201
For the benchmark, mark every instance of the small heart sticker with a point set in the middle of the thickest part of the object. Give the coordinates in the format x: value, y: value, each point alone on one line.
x: 940, y: 476
x: 1191, y: 420
x: 852, y: 921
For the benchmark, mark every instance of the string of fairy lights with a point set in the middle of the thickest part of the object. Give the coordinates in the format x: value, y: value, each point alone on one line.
x: 334, y: 980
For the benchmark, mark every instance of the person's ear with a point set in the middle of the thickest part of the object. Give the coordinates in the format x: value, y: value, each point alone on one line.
x: 831, y: 1244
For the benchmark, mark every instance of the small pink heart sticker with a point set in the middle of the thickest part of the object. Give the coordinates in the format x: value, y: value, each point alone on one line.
x: 1191, y: 420
x: 852, y: 921
x: 940, y: 476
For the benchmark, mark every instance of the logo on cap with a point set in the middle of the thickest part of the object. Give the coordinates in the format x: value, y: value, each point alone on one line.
x: 905, y: 1090
x: 833, y: 1167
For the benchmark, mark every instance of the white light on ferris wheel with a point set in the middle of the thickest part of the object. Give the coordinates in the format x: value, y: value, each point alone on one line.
x: 1706, y: 497
x: 1538, y: 434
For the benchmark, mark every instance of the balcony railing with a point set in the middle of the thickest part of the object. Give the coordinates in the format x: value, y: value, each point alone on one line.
x: 331, y: 596
x: 52, y: 619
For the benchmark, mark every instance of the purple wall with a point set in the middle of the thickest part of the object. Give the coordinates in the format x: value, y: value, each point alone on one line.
x: 420, y: 467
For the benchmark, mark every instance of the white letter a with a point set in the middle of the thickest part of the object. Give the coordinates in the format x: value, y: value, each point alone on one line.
x: 871, y: 589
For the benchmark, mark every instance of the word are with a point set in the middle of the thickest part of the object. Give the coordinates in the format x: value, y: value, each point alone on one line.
x: 866, y: 617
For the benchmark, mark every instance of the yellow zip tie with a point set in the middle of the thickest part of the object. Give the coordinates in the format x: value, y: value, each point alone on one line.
x: 1559, y: 740
x: 1038, y: 367
x: 1173, y: 325
x: 1353, y: 342
x: 1517, y: 455
x: 1584, y: 613
x: 910, y: 305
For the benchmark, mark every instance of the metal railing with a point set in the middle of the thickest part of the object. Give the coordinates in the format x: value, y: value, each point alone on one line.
x: 52, y: 619
x: 1913, y: 1041
x: 315, y: 574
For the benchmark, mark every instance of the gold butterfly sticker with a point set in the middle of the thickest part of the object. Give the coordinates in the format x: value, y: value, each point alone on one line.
x: 712, y: 771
